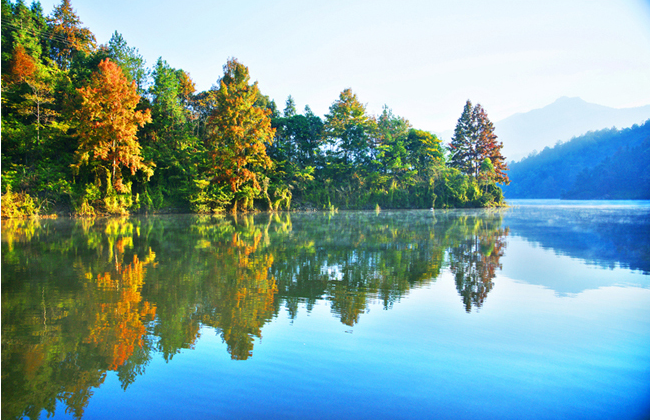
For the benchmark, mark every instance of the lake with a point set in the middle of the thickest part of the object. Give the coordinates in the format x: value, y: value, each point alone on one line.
x: 537, y: 311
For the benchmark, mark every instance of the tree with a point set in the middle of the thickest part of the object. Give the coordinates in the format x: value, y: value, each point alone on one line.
x: 290, y: 108
x: 67, y: 36
x: 423, y: 149
x: 488, y: 147
x: 297, y: 137
x: 350, y: 131
x: 108, y: 123
x: 240, y: 131
x: 39, y: 78
x: 132, y: 63
x: 168, y: 113
x: 474, y: 141
x: 462, y: 147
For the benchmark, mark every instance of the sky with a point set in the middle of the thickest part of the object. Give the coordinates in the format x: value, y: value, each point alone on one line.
x: 423, y: 59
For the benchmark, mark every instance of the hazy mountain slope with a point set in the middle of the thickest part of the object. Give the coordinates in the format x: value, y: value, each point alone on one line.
x: 622, y: 176
x: 553, y: 173
x: 563, y: 119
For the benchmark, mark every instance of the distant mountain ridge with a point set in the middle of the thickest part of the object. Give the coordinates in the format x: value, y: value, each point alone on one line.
x: 604, y: 164
x: 525, y: 132
x: 562, y: 120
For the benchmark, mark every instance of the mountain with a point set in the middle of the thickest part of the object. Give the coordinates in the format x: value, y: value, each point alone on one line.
x: 562, y: 120
x: 604, y: 164
x: 523, y: 133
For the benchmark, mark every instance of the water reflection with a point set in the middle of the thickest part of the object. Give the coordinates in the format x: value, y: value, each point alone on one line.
x: 82, y: 298
x: 474, y: 259
x: 606, y: 234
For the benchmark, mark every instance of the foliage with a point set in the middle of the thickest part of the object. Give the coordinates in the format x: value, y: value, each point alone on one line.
x: 129, y: 59
x: 18, y: 205
x: 474, y: 141
x: 349, y: 132
x: 107, y: 127
x: 67, y: 37
x: 90, y: 130
x: 240, y: 131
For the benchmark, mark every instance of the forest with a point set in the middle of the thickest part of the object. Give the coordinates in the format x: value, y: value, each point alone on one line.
x: 89, y: 129
x: 603, y: 164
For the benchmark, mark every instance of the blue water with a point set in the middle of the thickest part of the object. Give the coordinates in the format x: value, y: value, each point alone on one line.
x: 539, y: 311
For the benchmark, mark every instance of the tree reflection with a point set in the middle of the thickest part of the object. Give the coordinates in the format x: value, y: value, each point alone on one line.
x: 118, y: 323
x: 241, y: 289
x: 474, y: 257
x: 66, y: 324
x: 85, y: 298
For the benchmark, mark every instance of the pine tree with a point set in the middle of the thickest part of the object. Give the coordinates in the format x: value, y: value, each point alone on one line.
x: 462, y: 147
x: 474, y: 141
x: 132, y: 63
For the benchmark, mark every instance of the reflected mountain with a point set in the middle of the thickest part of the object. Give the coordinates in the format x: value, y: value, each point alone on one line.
x: 606, y: 235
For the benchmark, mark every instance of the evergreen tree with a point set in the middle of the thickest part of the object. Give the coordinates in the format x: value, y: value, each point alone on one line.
x: 67, y: 36
x: 462, y: 147
x: 474, y: 141
x: 132, y: 63
x: 290, y: 108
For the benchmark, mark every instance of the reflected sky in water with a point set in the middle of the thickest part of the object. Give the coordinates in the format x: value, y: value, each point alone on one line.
x: 537, y: 311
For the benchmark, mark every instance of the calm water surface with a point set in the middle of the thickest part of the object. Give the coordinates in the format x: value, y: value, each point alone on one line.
x: 539, y: 311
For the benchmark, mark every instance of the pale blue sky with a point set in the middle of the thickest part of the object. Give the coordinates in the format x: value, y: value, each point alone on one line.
x: 421, y: 58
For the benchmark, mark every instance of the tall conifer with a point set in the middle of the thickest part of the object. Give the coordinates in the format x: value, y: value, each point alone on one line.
x: 474, y: 141
x: 462, y: 146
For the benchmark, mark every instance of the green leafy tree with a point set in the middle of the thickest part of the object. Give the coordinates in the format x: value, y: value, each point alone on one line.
x: 424, y: 150
x: 129, y: 59
x: 167, y: 96
x: 349, y: 131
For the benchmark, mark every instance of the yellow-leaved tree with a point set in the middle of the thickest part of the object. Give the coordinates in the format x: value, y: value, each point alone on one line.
x: 107, y: 127
x: 240, y: 131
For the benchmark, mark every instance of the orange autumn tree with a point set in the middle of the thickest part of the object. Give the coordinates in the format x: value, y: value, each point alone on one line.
x: 243, y: 291
x: 108, y: 124
x: 119, y: 323
x: 240, y: 131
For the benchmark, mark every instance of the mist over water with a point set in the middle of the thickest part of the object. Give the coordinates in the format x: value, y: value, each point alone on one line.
x: 535, y: 311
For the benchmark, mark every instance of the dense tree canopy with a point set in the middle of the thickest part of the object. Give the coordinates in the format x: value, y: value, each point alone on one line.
x: 240, y: 131
x: 90, y: 129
